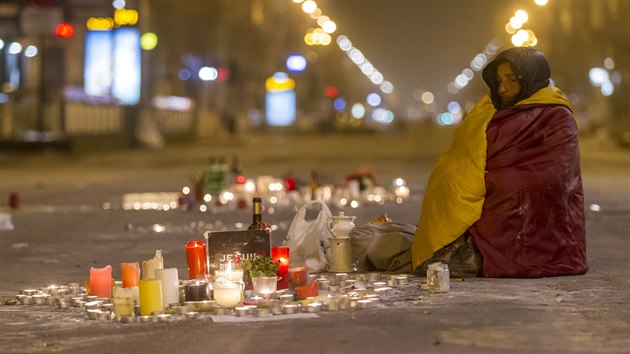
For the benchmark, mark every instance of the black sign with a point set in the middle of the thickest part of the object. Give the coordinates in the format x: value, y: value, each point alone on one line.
x: 235, y: 246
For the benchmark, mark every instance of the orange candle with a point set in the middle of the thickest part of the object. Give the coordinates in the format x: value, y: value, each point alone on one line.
x: 197, y: 259
x: 101, y: 281
x: 130, y: 273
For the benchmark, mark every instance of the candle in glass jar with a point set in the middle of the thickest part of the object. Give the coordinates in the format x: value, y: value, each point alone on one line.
x: 197, y: 259
x: 170, y: 285
x: 281, y: 255
x: 228, y: 294
x: 196, y: 291
x: 101, y: 281
x: 130, y: 273
x: 150, y: 296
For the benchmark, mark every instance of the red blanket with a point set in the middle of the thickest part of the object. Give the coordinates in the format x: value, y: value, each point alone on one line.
x: 532, y: 223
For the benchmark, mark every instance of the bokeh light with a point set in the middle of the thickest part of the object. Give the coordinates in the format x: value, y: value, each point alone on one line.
x: 373, y: 99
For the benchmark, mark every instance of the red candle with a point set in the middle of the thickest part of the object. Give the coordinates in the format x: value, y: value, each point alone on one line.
x: 197, y: 259
x: 281, y: 254
x: 298, y: 276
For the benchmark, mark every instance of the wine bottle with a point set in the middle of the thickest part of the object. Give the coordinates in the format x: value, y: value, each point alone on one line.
x: 257, y: 223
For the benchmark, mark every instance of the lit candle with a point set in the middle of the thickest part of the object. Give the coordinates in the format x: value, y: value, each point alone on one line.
x: 150, y: 296
x: 196, y: 291
x: 123, y: 301
x: 130, y: 273
x: 281, y: 254
x: 197, y: 259
x: 170, y: 285
x: 228, y: 294
x: 298, y: 276
x: 101, y: 281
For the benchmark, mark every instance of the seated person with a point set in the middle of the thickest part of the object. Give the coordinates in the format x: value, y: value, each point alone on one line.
x: 506, y: 199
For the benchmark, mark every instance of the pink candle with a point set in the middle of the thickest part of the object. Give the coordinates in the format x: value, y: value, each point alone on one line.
x: 101, y: 281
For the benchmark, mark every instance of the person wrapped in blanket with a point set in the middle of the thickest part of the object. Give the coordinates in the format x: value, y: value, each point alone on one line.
x: 506, y: 199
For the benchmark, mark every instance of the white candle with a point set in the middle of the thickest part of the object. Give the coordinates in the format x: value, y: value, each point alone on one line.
x: 231, y: 275
x: 170, y: 285
x: 228, y: 294
x: 123, y: 301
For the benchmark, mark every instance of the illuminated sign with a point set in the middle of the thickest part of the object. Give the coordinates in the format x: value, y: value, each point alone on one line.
x: 112, y: 64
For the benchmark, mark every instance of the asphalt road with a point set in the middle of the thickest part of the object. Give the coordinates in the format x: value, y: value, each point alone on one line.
x: 62, y: 228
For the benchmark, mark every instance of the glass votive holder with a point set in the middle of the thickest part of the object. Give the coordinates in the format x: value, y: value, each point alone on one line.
x: 228, y: 294
x: 265, y: 285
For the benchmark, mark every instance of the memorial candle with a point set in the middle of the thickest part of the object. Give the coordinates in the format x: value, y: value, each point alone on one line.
x: 149, y: 267
x: 170, y: 285
x: 130, y: 273
x: 123, y: 301
x: 197, y: 259
x: 101, y: 281
x: 150, y: 296
x: 281, y: 254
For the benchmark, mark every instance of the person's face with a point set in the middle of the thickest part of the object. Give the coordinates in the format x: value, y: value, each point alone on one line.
x: 508, y: 84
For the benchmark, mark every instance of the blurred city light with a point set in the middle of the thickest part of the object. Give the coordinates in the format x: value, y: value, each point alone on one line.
x: 384, y: 116
x: 358, y: 111
x: 207, y: 73
x: 609, y: 63
x: 373, y: 99
x: 15, y: 48
x: 331, y: 91
x: 309, y: 6
x: 119, y: 4
x: 99, y: 24
x: 64, y: 30
x: 339, y: 103
x: 541, y: 2
x: 30, y: 51
x: 125, y: 17
x: 149, y: 41
x: 427, y: 97
x: 1, y: 44
x: 184, y: 74
x: 296, y: 63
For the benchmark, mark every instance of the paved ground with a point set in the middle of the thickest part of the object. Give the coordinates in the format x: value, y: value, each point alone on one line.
x: 61, y: 230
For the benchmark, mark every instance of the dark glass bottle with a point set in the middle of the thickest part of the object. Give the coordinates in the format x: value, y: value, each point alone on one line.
x: 257, y: 223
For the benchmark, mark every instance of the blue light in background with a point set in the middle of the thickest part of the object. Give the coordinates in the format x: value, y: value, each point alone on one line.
x: 97, y: 73
x: 127, y: 64
x: 280, y: 108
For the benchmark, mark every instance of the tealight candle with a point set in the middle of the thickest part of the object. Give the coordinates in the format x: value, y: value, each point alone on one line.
x: 197, y: 259
x: 150, y: 296
x: 170, y: 285
x: 101, y: 281
x: 228, y: 294
x: 123, y: 301
x: 130, y: 273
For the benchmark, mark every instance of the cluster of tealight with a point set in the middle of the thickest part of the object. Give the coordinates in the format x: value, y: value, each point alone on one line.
x: 332, y: 292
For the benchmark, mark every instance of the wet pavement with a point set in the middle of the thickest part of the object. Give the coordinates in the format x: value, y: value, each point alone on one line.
x: 70, y: 218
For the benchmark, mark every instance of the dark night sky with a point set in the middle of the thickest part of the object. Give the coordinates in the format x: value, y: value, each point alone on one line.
x: 423, y: 43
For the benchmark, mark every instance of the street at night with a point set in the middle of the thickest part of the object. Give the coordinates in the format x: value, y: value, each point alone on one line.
x: 314, y: 176
x: 61, y: 230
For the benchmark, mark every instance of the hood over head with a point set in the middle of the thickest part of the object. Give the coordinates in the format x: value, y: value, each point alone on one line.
x: 529, y: 65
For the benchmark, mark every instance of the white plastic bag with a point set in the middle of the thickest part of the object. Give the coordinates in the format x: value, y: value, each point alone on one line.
x: 308, y: 239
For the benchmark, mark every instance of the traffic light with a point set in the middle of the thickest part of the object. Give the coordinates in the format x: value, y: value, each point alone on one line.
x: 64, y: 30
